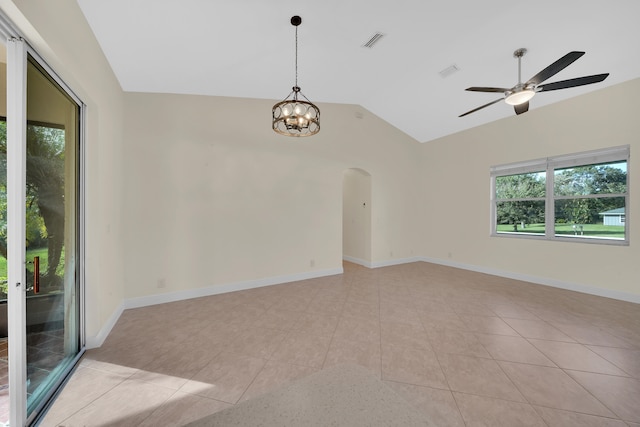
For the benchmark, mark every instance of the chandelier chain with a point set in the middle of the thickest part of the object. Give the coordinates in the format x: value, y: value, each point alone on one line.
x: 296, y: 56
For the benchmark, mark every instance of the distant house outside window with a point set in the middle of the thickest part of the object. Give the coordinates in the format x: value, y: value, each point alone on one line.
x: 576, y: 197
x: 613, y: 217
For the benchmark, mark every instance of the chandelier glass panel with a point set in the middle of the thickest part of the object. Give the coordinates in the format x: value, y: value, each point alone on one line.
x: 295, y: 116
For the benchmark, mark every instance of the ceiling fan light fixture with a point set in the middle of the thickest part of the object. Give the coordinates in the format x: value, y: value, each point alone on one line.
x: 519, y: 97
x: 294, y: 116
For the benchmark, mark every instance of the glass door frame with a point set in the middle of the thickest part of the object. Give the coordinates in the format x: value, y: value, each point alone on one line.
x: 18, y: 52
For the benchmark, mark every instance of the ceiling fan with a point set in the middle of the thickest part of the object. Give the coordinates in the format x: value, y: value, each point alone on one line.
x: 520, y: 94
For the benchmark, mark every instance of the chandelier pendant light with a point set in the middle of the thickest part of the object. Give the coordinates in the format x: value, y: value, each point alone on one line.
x: 295, y: 116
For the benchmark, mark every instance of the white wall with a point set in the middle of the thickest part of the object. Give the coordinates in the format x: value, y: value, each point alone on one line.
x: 456, y: 203
x: 356, y: 216
x: 59, y: 33
x: 214, y: 196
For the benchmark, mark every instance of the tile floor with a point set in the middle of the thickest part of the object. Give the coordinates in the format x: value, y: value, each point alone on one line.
x: 465, y: 348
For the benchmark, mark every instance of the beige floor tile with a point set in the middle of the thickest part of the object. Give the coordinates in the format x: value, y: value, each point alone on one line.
x: 303, y: 349
x: 257, y: 342
x: 183, y: 408
x: 513, y: 349
x: 316, y: 324
x: 487, y: 325
x: 211, y: 339
x: 487, y: 411
x: 399, y: 313
x: 575, y: 356
x: 341, y: 396
x: 442, y: 320
x: 326, y: 305
x: 620, y: 394
x: 552, y: 387
x: 88, y: 361
x: 358, y: 329
x: 555, y: 312
x: 293, y: 303
x: 429, y: 304
x: 625, y: 359
x: 456, y: 342
x: 538, y: 329
x: 470, y: 308
x: 131, y: 355
x: 175, y: 367
x: 338, y: 293
x: 226, y: 378
x: 478, y: 376
x: 278, y: 318
x: 513, y: 311
x: 134, y: 400
x: 366, y: 293
x: 85, y: 386
x: 412, y: 366
x: 361, y: 353
x: 587, y: 334
x: 370, y: 311
x: 275, y: 375
x: 243, y: 314
x: 560, y: 418
x: 404, y: 335
x: 369, y: 318
x: 438, y: 405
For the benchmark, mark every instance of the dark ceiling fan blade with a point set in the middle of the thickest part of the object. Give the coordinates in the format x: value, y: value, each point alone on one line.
x: 555, y: 68
x: 580, y: 81
x: 487, y: 89
x: 481, y: 107
x: 521, y: 108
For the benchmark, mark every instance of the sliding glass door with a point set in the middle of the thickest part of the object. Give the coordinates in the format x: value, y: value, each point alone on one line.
x: 40, y: 233
x: 51, y: 244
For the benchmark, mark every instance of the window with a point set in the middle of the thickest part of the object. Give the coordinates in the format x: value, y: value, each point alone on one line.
x: 579, y: 197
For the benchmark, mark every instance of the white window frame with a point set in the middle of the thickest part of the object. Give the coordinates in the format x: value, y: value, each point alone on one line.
x: 549, y: 165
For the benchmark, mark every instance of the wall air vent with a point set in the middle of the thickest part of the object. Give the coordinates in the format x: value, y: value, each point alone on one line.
x: 373, y: 40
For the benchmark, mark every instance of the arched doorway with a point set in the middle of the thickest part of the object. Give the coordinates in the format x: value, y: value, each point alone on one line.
x: 356, y: 216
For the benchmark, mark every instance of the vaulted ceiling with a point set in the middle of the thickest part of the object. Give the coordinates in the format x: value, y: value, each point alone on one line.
x: 246, y: 48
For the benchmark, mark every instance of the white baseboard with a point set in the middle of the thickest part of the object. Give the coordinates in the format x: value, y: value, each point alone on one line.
x: 229, y: 287
x: 97, y: 340
x: 607, y: 293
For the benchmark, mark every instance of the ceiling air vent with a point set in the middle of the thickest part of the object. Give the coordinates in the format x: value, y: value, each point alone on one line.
x: 449, y: 70
x: 373, y: 40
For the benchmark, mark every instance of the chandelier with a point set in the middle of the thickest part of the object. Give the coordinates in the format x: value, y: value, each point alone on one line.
x: 295, y: 116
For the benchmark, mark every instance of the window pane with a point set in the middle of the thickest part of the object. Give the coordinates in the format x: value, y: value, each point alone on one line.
x: 520, y: 217
x: 527, y: 185
x: 603, y: 218
x: 608, y: 178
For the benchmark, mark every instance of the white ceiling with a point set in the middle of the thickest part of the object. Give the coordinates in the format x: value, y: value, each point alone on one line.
x: 245, y: 48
